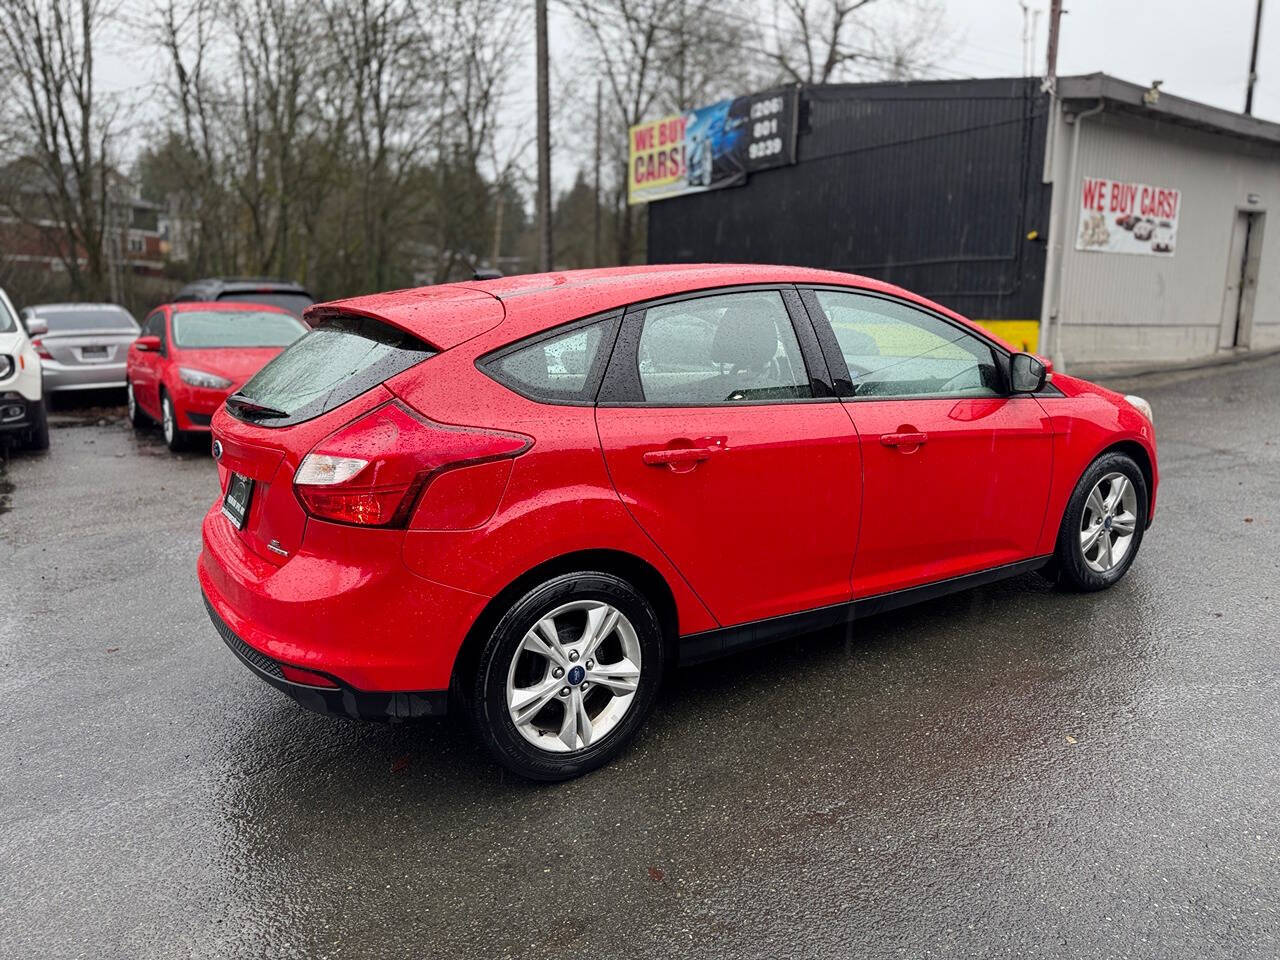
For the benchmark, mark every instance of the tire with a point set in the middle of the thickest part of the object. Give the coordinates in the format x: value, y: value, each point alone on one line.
x: 137, y: 419
x: 38, y: 438
x: 174, y: 438
x: 1092, y: 552
x: 552, y: 743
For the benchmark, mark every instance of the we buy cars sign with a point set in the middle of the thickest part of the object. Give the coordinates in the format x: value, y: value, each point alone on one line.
x: 1121, y: 217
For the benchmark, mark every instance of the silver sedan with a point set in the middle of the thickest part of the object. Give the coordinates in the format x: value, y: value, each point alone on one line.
x: 82, y: 346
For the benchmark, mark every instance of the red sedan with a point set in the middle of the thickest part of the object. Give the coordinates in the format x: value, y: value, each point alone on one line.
x: 191, y: 356
x: 535, y: 493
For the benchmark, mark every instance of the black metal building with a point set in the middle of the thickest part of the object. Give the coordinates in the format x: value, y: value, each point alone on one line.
x: 935, y: 186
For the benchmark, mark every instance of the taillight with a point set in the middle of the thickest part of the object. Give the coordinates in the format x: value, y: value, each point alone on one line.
x: 41, y: 350
x: 371, y: 472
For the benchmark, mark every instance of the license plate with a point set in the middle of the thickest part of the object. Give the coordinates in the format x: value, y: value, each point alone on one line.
x: 93, y: 351
x: 235, y: 505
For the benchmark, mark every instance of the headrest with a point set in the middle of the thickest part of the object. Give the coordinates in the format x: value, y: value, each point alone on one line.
x: 746, y: 337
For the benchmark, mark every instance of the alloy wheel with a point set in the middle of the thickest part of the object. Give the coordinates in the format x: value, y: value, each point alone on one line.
x: 574, y: 676
x: 131, y: 402
x: 167, y: 423
x: 1108, y: 522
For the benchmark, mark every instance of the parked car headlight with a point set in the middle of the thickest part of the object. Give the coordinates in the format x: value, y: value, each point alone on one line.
x: 1141, y: 406
x: 6, y: 366
x: 200, y: 378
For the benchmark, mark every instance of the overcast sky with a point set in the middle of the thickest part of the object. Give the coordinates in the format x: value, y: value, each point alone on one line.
x: 1200, y: 50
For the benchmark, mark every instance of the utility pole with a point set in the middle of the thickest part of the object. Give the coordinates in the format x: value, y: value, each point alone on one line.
x: 595, y: 242
x: 1253, y: 60
x: 544, y: 140
x: 1051, y: 61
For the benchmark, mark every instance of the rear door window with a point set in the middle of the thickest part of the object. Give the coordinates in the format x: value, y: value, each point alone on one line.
x: 339, y: 359
x: 728, y: 348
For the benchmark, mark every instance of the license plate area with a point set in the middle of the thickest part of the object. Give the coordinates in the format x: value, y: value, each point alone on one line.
x: 93, y: 353
x: 235, y: 503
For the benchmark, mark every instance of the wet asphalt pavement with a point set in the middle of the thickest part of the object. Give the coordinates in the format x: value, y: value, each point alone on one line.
x: 1008, y: 772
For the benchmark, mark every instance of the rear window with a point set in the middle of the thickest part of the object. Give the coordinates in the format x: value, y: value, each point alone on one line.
x: 341, y: 358
x: 295, y: 303
x: 68, y: 319
x: 205, y: 329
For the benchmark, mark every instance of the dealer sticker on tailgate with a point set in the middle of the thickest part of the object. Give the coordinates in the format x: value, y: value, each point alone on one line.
x: 235, y: 505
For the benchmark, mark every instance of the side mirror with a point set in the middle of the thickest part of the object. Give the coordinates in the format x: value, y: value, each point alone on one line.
x: 1026, y: 373
x: 36, y: 327
x: 148, y: 344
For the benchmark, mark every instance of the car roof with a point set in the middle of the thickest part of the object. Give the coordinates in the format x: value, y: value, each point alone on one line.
x: 448, y: 314
x: 241, y: 285
x: 54, y: 307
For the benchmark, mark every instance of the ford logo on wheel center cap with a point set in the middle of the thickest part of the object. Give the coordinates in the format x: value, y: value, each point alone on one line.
x: 217, y: 449
x: 575, y: 675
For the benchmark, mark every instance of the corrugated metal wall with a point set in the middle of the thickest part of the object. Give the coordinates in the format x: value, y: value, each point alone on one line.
x: 1124, y: 307
x: 933, y: 186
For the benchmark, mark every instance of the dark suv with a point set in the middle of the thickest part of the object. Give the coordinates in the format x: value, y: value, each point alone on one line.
x: 277, y: 293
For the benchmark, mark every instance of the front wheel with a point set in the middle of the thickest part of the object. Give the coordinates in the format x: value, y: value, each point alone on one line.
x: 38, y: 438
x: 137, y: 419
x: 567, y: 676
x: 174, y: 438
x: 1103, y: 524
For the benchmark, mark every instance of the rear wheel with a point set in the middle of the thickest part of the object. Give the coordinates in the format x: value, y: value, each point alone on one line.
x: 38, y: 438
x: 568, y: 676
x: 1103, y: 524
x: 175, y: 439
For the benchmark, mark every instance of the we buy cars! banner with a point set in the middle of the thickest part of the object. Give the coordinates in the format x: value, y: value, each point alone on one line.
x: 711, y: 147
x: 1120, y: 217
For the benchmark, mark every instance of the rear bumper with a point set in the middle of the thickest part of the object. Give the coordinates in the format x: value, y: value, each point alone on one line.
x: 340, y: 701
x: 88, y: 376
x: 343, y: 605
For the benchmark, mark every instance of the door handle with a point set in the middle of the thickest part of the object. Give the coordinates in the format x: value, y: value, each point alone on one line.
x: 903, y: 439
x: 661, y: 458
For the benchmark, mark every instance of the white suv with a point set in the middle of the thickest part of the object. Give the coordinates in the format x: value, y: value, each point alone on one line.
x: 22, y: 412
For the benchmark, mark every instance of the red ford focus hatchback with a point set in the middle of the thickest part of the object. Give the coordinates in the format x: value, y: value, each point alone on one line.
x: 528, y: 497
x: 191, y: 356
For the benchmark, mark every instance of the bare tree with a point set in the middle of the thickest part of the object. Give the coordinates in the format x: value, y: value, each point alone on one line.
x: 187, y: 30
x: 275, y: 70
x: 628, y: 42
x: 477, y: 82
x: 60, y: 173
x: 824, y: 41
x: 387, y: 68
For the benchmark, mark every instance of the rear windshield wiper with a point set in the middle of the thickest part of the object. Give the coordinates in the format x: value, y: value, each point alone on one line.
x: 254, y: 408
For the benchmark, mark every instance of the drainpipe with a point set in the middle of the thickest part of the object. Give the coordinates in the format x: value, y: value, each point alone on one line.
x: 1051, y: 335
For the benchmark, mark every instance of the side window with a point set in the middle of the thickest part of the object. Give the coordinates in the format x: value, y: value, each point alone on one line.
x: 728, y: 348
x: 895, y: 350
x: 563, y: 368
x: 153, y: 326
